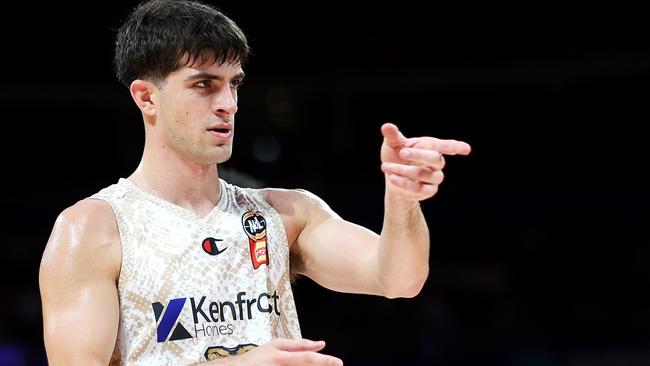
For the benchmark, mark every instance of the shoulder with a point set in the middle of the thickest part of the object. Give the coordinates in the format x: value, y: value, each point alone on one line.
x: 87, y: 211
x: 298, y: 208
x: 293, y: 201
x: 89, y: 219
x: 84, y: 235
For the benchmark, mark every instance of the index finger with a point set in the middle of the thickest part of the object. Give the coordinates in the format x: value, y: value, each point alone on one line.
x: 313, y: 359
x: 295, y: 345
x: 446, y: 147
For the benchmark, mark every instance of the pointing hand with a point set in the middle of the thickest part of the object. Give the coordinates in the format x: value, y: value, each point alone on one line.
x: 413, y: 166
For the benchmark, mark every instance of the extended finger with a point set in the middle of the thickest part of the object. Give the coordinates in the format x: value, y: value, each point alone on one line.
x: 447, y: 147
x: 421, y: 174
x: 313, y: 358
x: 392, y: 135
x: 430, y: 158
x: 294, y: 345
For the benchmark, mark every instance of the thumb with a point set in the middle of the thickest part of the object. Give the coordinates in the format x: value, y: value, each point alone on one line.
x: 392, y: 135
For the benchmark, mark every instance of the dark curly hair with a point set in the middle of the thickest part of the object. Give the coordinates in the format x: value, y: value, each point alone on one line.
x: 161, y: 36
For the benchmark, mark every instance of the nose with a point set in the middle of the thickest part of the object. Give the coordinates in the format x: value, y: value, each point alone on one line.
x: 225, y: 102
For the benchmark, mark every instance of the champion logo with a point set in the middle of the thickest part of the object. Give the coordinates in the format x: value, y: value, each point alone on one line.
x: 167, y: 320
x: 209, y: 246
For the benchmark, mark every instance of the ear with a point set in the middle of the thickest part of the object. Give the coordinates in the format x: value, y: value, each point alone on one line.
x: 142, y: 93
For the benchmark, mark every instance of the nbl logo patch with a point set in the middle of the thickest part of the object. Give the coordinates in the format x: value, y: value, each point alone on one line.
x: 167, y: 321
x: 255, y: 227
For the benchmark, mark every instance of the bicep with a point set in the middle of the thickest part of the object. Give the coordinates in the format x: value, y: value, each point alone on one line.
x: 336, y: 253
x: 79, y: 294
x: 80, y: 324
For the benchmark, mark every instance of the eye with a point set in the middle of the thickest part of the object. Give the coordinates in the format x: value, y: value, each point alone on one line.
x: 204, y: 84
x: 236, y: 83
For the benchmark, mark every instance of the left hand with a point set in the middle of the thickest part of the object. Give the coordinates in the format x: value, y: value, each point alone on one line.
x: 413, y: 166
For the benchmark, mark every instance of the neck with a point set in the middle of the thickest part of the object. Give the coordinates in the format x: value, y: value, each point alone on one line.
x: 168, y: 175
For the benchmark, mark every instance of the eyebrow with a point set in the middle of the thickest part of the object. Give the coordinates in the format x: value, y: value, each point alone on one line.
x: 207, y: 75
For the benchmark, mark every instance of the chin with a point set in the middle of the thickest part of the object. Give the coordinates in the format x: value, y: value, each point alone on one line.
x: 212, y: 158
x: 215, y: 154
x: 221, y: 158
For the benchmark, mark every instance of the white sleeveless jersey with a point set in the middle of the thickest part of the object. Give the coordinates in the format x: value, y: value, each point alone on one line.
x: 193, y: 289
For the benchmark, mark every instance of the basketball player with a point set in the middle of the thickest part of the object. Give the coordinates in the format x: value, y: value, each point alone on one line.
x: 175, y: 266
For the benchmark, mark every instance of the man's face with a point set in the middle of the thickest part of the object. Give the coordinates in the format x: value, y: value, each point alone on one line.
x: 196, y: 111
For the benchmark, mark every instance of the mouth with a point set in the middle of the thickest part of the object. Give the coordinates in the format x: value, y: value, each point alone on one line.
x: 223, y: 132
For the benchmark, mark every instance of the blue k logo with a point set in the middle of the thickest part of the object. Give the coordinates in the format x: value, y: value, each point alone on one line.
x: 169, y: 319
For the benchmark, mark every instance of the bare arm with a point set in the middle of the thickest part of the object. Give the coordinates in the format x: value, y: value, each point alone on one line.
x: 78, y: 284
x: 335, y: 253
x: 413, y: 171
x: 346, y: 257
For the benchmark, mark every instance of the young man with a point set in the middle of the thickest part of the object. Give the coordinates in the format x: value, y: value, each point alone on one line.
x: 173, y: 265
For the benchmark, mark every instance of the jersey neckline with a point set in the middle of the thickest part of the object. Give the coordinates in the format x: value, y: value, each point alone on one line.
x: 181, y: 211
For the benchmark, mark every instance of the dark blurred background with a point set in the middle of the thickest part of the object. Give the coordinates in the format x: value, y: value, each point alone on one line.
x: 539, y: 238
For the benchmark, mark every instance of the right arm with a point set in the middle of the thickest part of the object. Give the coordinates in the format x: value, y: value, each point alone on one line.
x: 78, y: 284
